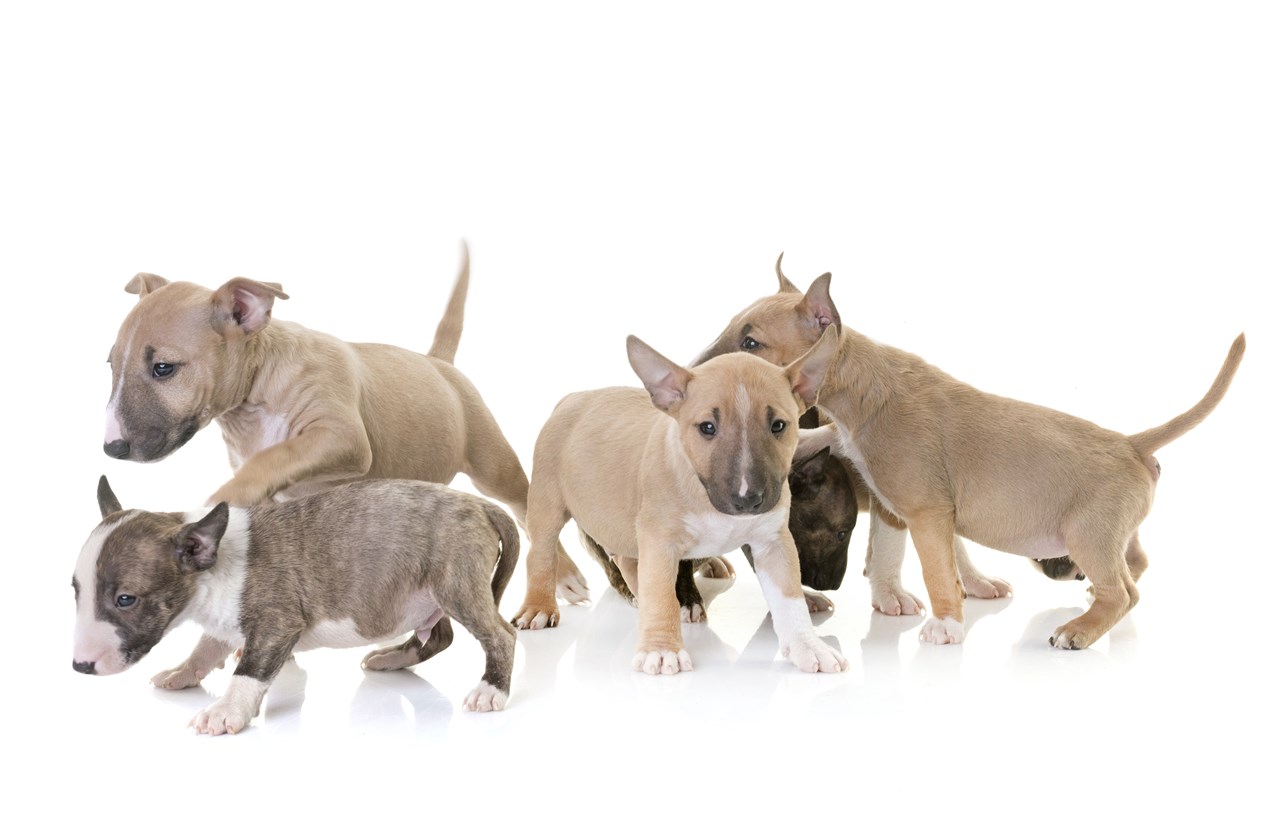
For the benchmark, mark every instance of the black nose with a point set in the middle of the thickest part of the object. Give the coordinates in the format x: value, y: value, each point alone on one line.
x: 84, y: 667
x: 117, y: 449
x: 747, y: 504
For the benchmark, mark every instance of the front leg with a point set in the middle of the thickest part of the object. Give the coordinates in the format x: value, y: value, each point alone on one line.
x: 332, y: 453
x: 659, y: 644
x: 262, y: 658
x: 777, y: 567
x: 975, y: 582
x: 934, y: 539
x: 208, y: 655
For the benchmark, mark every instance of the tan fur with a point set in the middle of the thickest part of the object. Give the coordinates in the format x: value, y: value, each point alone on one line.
x: 302, y: 411
x: 643, y: 482
x: 949, y: 459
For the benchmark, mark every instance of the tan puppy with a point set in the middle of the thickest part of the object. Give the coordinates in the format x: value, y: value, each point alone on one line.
x: 301, y: 411
x: 696, y: 473
x: 949, y: 460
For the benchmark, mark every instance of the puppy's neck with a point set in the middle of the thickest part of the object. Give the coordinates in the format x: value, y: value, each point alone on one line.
x: 865, y: 377
x: 218, y: 591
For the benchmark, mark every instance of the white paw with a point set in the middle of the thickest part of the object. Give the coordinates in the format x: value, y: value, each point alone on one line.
x: 893, y: 599
x: 942, y: 631
x: 178, y: 678
x: 717, y: 568
x: 693, y: 614
x: 812, y: 655
x: 662, y: 662
x: 485, y: 697
x: 538, y: 621
x: 573, y: 588
x: 980, y: 586
x: 222, y: 717
x: 817, y: 602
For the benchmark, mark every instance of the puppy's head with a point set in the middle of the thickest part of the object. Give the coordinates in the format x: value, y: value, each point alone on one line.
x: 1059, y: 569
x: 737, y: 418
x: 174, y: 365
x: 781, y: 327
x: 823, y: 513
x: 135, y: 574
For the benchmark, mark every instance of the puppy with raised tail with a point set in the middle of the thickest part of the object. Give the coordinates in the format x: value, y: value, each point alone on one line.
x: 693, y: 468
x: 951, y: 461
x: 300, y: 410
x: 346, y: 567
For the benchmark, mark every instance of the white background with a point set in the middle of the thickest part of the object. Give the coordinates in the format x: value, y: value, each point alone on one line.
x: 1065, y: 203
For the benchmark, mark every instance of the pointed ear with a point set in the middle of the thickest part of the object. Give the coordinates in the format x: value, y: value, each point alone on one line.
x: 666, y: 381
x: 807, y: 475
x: 807, y: 371
x: 818, y: 307
x: 106, y: 499
x: 144, y: 283
x: 783, y: 282
x: 196, y: 543
x: 246, y: 304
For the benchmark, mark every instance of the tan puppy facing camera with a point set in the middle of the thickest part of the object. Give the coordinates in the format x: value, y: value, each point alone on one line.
x: 697, y: 472
x: 949, y: 460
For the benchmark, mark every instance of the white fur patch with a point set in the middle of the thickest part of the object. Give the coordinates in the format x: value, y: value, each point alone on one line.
x: 715, y: 533
x: 217, y: 600
x: 942, y: 631
x: 743, y: 411
x: 233, y: 711
x: 95, y: 641
x: 114, y: 429
x: 848, y: 449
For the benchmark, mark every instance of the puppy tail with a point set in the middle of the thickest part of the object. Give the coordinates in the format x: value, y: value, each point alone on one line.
x: 1149, y: 440
x: 510, y: 550
x: 612, y: 572
x: 445, y: 342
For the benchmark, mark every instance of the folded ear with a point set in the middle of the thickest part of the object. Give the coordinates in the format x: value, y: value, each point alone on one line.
x: 196, y: 543
x: 106, y: 499
x: 246, y: 304
x: 143, y: 283
x: 807, y: 371
x: 817, y: 307
x: 666, y: 381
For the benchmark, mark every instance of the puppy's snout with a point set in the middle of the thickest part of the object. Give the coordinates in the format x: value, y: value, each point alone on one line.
x: 85, y: 667
x: 118, y: 449
x: 749, y: 503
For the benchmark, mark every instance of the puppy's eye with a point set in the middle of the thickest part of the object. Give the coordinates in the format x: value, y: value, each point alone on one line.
x: 163, y: 370
x: 706, y: 428
x: 778, y: 426
x: 750, y: 344
x: 842, y: 535
x: 125, y: 601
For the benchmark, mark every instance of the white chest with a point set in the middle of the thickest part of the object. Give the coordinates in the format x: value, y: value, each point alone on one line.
x: 713, y: 533
x: 849, y: 449
x: 250, y: 430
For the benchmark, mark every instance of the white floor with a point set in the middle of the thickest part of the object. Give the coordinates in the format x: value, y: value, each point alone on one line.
x: 1163, y: 724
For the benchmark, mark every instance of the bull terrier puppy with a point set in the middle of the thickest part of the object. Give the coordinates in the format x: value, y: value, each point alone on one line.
x: 300, y: 410
x: 692, y: 468
x: 353, y: 565
x: 950, y: 461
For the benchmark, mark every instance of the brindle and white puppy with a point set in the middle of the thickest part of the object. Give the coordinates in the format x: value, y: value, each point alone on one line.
x: 350, y: 566
x: 695, y: 473
x: 301, y: 410
x: 951, y: 461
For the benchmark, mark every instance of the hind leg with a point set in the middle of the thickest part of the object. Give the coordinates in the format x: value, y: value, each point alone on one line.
x: 424, y: 643
x: 547, y: 516
x: 1135, y: 558
x: 1111, y: 584
x: 497, y: 473
x: 883, y: 558
x: 498, y: 640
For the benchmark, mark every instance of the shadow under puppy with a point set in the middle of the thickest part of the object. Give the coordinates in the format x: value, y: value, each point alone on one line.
x: 692, y: 467
x: 346, y: 567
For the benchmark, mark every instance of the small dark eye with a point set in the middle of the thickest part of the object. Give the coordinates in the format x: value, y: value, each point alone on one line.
x: 162, y: 370
x: 842, y: 535
x: 125, y: 601
x: 778, y: 426
x: 707, y: 428
x: 749, y: 343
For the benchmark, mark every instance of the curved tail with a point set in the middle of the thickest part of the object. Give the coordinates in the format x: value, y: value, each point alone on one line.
x: 510, y: 550
x: 1149, y: 440
x: 445, y: 342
